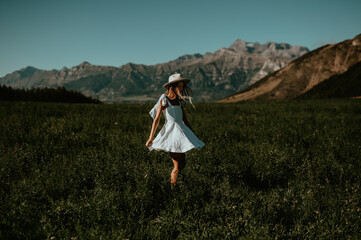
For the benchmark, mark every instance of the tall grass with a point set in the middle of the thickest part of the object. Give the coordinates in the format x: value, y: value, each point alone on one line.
x: 268, y: 170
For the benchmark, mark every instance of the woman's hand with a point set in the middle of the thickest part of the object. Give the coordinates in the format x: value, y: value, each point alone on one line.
x: 149, y: 142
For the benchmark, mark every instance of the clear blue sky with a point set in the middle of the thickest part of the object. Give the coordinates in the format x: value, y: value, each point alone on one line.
x: 49, y: 34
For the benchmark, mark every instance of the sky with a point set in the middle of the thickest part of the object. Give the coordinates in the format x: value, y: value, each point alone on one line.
x: 51, y: 34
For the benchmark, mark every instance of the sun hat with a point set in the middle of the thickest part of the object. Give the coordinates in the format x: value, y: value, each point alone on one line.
x: 176, y: 77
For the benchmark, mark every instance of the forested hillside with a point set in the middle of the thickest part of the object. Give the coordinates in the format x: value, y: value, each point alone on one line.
x: 59, y: 94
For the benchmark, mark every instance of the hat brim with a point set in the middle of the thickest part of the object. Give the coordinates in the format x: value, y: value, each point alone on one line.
x: 186, y: 80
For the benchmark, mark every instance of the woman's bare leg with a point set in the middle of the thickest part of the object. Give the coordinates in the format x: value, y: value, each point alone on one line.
x: 179, y: 161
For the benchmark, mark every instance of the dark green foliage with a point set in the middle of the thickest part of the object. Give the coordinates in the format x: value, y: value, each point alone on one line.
x: 59, y: 94
x: 287, y: 170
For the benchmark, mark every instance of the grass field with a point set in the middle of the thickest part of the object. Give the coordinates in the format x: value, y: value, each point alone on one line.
x: 268, y: 170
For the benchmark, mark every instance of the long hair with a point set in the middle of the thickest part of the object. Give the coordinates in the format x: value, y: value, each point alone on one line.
x: 181, y: 95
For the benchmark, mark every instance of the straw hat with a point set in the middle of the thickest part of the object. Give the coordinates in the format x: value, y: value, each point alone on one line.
x: 176, y: 77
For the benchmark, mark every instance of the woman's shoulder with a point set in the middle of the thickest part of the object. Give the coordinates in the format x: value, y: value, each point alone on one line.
x: 163, y: 99
x: 162, y: 96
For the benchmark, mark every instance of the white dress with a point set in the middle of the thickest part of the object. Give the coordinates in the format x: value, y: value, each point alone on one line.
x: 174, y: 136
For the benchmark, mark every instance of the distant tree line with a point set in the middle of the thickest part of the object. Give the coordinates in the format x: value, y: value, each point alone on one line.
x: 59, y: 94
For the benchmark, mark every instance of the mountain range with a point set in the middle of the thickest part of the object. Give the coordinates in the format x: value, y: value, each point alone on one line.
x: 327, y: 72
x: 214, y: 75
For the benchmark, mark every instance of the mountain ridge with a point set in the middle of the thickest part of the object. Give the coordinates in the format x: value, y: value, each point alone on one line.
x: 214, y: 75
x: 304, y: 73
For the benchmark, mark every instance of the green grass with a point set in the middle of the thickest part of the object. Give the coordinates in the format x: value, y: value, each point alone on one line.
x: 268, y: 170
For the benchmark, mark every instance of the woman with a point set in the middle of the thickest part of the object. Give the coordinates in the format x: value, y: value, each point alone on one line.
x: 176, y: 136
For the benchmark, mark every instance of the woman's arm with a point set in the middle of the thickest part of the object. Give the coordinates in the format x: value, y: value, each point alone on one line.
x: 155, y: 124
x: 185, y: 120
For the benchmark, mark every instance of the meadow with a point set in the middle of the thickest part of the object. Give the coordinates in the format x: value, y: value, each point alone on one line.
x: 288, y: 170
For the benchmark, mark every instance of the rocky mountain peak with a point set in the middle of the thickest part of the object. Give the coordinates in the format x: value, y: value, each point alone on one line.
x: 29, y: 68
x: 239, y: 46
x: 189, y: 57
x: 28, y: 71
x: 83, y: 66
x: 282, y: 50
x: 356, y: 41
x: 268, y: 49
